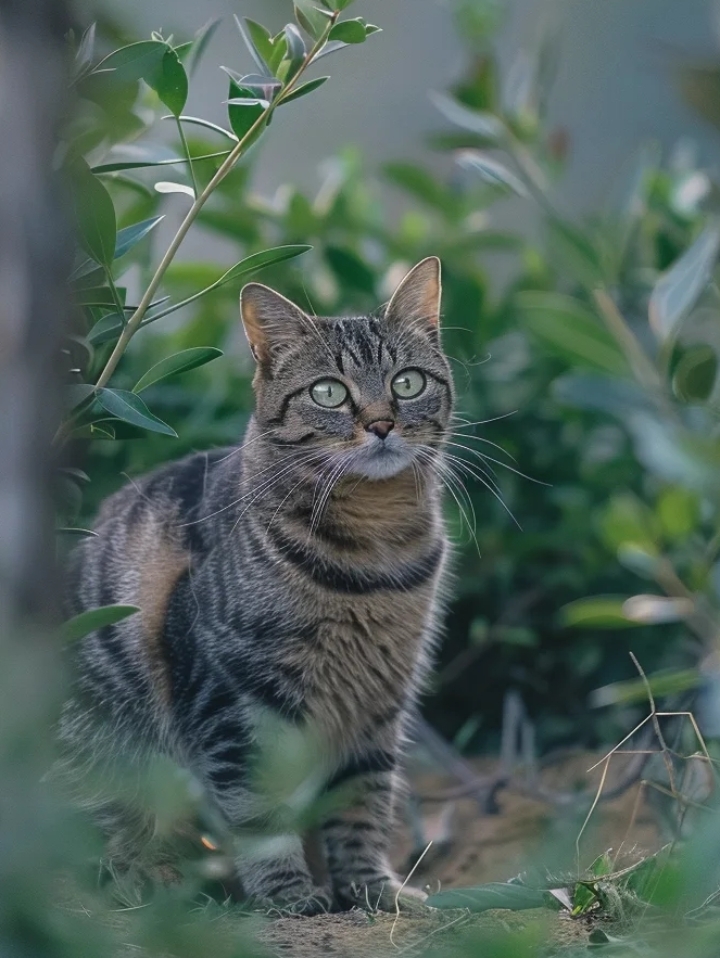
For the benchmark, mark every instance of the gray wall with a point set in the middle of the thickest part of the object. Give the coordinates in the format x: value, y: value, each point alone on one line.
x: 614, y: 87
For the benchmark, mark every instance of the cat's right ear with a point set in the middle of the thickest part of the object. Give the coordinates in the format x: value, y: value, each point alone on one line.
x: 271, y: 321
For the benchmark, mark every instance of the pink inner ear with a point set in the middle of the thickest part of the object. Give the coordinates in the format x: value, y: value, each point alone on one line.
x: 270, y: 320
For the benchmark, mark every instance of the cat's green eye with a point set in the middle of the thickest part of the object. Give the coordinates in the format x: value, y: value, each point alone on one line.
x: 408, y: 384
x: 329, y: 393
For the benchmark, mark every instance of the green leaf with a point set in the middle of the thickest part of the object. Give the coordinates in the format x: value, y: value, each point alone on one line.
x: 85, y: 51
x: 492, y: 895
x: 78, y: 393
x: 608, y: 394
x: 130, y: 408
x: 310, y: 18
x: 422, y: 185
x: 258, y: 59
x: 349, y: 31
x: 106, y: 328
x: 93, y: 619
x: 133, y: 62
x: 255, y: 86
x: 165, y: 186
x: 596, y: 612
x: 678, y: 290
x: 249, y: 101
x: 337, y: 5
x: 131, y: 235
x: 280, y: 49
x: 305, y: 88
x: 199, y: 44
x: 329, y: 48
x: 626, y: 519
x: 578, y: 254
x: 695, y: 374
x: 484, y: 124
x: 170, y: 82
x: 198, y: 121
x: 678, y: 510
x: 584, y: 898
x: 120, y: 165
x: 94, y: 213
x: 178, y: 363
x: 491, y: 170
x: 251, y: 264
x: 665, y: 682
x: 261, y: 39
x: 101, y: 429
x: 657, y: 609
x: 350, y: 269
x: 96, y: 296
x: 295, y: 47
x: 243, y: 116
x: 570, y: 330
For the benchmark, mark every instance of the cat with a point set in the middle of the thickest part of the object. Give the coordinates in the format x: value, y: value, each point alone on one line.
x: 292, y: 585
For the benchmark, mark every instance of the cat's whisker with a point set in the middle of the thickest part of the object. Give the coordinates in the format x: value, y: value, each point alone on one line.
x: 457, y: 490
x: 499, y: 462
x: 460, y: 435
x: 489, y: 484
x: 318, y: 509
x: 234, y: 502
x: 470, y: 452
x: 474, y: 470
x: 484, y: 422
x: 270, y: 484
x: 245, y: 445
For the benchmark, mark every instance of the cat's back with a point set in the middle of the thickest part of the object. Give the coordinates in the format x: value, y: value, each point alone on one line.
x: 146, y: 536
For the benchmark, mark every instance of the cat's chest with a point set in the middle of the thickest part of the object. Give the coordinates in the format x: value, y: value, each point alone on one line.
x: 363, y: 662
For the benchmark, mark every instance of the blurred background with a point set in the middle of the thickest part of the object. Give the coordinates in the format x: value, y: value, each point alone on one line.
x: 615, y: 86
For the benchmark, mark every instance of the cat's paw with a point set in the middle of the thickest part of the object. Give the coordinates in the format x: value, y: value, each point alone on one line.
x: 382, y: 894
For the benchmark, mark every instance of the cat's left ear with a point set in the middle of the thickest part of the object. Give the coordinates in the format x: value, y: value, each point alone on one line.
x: 272, y: 322
x: 416, y: 301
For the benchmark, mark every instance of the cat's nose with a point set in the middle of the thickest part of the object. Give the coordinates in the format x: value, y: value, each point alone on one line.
x: 380, y: 428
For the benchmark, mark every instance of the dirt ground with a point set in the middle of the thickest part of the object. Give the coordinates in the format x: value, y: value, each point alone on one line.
x: 471, y: 848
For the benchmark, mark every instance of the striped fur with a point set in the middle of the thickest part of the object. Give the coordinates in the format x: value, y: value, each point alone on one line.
x: 287, y: 587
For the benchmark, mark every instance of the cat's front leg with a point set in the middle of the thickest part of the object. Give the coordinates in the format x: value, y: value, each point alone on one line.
x: 275, y: 875
x: 269, y: 857
x: 357, y: 836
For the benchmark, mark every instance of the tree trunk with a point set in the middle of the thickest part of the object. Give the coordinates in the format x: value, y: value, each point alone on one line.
x: 33, y: 301
x: 35, y: 246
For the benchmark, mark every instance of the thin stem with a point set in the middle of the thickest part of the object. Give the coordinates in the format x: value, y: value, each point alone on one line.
x: 644, y: 370
x: 135, y: 320
x: 186, y: 150
x: 115, y: 295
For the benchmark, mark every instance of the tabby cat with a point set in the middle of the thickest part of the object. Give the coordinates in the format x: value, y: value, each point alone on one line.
x: 293, y: 582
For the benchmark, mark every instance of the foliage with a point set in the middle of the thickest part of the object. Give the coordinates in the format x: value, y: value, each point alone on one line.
x: 594, y: 407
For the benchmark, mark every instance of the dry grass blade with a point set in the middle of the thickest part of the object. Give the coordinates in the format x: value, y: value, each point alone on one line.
x: 400, y: 889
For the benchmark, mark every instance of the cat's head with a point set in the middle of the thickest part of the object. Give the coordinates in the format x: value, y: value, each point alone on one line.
x: 371, y: 395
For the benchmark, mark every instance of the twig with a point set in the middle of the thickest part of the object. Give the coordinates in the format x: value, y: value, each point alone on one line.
x: 237, y: 151
x: 592, y: 808
x: 644, y: 370
x: 656, y: 723
x: 399, y: 892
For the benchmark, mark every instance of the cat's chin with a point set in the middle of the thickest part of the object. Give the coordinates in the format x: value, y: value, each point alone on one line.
x: 381, y: 462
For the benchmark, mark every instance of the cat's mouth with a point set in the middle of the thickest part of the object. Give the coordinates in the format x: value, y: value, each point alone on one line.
x: 379, y: 458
